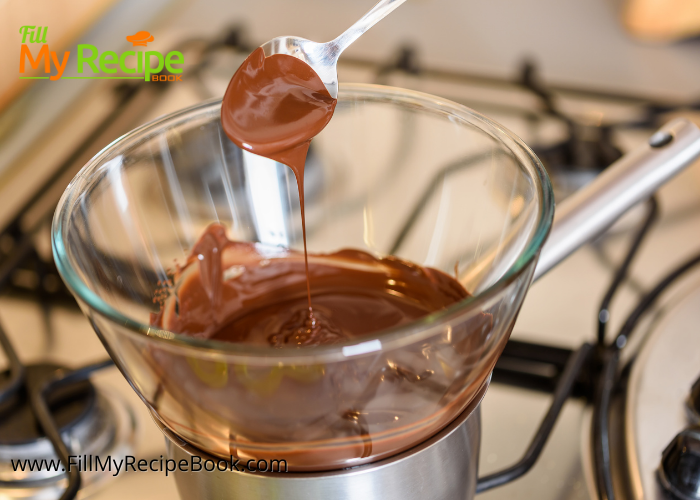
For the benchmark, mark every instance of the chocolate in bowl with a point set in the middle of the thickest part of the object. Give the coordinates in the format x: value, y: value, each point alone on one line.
x: 244, y: 292
x: 323, y: 416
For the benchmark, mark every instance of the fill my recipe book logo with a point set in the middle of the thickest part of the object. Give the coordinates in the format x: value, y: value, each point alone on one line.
x: 134, y: 64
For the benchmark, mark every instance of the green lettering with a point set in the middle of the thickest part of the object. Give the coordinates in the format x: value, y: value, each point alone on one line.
x: 174, y: 57
x: 87, y: 59
x: 107, y: 61
x: 147, y: 63
x: 122, y: 62
x: 42, y: 38
x: 26, y: 30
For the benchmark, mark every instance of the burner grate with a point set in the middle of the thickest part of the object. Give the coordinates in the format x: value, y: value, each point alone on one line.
x: 57, y: 399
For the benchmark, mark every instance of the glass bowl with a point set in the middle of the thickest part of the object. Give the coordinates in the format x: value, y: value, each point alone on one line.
x: 395, y: 172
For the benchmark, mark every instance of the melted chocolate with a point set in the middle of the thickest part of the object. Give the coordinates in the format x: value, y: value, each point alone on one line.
x: 252, y: 293
x: 273, y: 107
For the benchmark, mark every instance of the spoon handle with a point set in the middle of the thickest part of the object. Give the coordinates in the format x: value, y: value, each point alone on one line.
x: 376, y: 14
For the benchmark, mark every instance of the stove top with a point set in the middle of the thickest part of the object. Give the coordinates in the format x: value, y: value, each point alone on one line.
x: 576, y: 132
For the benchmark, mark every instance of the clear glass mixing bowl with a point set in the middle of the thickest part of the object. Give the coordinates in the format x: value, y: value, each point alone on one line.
x: 395, y: 172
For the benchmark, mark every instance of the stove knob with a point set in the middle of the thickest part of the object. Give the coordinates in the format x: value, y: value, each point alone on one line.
x: 679, y: 472
x: 693, y: 402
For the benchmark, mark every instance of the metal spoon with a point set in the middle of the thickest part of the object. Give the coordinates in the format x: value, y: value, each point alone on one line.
x: 323, y: 57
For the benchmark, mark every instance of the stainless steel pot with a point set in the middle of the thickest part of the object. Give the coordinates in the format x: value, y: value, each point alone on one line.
x: 441, y: 468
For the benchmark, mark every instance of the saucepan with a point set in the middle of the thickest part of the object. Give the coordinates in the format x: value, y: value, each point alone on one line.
x: 395, y: 172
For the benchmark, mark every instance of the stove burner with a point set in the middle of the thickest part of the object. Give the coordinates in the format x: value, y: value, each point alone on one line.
x: 587, y: 150
x: 93, y: 422
x: 70, y: 406
x: 679, y: 472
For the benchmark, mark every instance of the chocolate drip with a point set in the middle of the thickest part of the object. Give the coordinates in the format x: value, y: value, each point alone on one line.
x: 273, y: 107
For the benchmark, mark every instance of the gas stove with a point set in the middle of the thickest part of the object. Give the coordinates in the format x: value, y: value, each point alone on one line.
x: 588, y: 396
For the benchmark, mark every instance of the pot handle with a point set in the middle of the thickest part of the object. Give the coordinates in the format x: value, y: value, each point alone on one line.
x: 631, y: 179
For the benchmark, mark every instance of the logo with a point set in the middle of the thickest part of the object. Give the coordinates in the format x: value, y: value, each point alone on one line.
x: 140, y: 39
x: 130, y: 64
